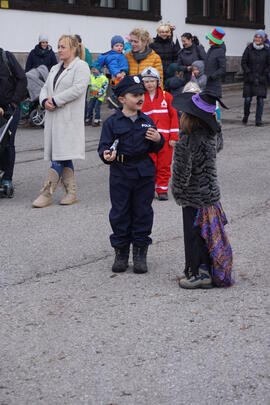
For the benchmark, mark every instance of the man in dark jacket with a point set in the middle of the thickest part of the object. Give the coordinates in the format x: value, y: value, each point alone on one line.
x: 164, y: 46
x: 256, y: 67
x: 215, y: 63
x: 13, y: 85
x: 42, y: 54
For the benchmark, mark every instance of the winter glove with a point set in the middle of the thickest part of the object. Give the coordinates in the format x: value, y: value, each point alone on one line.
x: 12, y: 107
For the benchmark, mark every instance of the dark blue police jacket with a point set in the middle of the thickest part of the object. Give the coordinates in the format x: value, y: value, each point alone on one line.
x: 132, y: 142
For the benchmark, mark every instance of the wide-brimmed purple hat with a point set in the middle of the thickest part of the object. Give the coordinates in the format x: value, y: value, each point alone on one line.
x: 201, y: 105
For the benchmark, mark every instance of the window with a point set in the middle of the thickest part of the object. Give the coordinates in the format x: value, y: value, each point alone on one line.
x: 134, y: 9
x: 234, y: 13
x: 138, y: 5
x: 107, y: 3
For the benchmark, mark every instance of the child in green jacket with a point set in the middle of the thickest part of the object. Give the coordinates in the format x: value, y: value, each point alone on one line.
x: 98, y: 87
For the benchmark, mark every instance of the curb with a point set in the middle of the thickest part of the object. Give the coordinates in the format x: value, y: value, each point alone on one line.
x: 232, y: 86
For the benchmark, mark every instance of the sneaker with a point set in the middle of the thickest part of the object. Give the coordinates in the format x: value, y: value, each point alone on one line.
x: 6, y: 188
x: 96, y: 123
x: 202, y: 280
x: 163, y: 197
x: 258, y: 124
x: 245, y: 120
x: 186, y: 274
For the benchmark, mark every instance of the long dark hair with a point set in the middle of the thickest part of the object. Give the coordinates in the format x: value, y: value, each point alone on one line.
x: 189, y: 123
x: 189, y: 36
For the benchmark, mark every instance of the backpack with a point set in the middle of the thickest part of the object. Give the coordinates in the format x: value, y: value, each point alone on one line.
x: 8, y: 64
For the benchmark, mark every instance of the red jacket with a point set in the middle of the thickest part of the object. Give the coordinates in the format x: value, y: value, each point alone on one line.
x: 162, y: 113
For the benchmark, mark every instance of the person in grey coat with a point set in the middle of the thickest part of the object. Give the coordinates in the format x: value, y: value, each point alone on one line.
x: 256, y: 67
x: 192, y: 50
x: 215, y: 63
x: 198, y: 76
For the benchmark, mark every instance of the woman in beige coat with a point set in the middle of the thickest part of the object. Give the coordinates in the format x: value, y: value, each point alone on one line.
x: 63, y: 97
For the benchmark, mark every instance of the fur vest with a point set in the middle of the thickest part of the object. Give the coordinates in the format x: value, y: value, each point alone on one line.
x: 194, y: 181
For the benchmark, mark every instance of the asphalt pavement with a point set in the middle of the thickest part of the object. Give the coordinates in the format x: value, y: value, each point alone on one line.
x: 72, y: 332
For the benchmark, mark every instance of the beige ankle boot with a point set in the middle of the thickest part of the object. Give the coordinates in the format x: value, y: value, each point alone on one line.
x: 44, y: 199
x: 69, y: 184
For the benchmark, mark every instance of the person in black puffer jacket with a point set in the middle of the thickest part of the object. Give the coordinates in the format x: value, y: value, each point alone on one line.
x: 215, y: 63
x: 164, y: 46
x: 256, y: 67
x: 192, y: 50
x: 42, y: 54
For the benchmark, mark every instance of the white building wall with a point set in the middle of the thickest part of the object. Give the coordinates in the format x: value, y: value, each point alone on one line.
x: 236, y: 39
x: 20, y: 29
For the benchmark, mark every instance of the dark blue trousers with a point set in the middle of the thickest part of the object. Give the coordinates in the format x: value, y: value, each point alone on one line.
x: 131, y: 215
x: 259, y: 108
x: 8, y: 158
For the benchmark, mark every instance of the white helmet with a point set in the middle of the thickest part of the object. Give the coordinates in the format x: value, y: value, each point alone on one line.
x: 151, y: 72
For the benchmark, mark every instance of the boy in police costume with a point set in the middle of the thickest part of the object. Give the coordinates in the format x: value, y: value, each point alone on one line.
x: 132, y: 174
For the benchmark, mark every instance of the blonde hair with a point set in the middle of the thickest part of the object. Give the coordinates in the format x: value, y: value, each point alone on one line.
x: 143, y: 35
x: 191, y: 87
x: 72, y: 42
x: 163, y: 24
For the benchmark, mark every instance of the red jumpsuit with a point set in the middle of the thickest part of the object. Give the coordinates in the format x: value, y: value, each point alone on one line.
x: 166, y: 120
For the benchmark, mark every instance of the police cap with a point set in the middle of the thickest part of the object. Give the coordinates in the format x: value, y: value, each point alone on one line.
x: 129, y: 84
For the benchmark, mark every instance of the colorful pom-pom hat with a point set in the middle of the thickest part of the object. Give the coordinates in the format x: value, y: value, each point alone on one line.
x: 216, y: 35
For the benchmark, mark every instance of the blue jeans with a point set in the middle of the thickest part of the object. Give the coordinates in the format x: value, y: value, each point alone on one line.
x: 94, y: 104
x: 58, y: 166
x: 7, y: 161
x: 259, y: 108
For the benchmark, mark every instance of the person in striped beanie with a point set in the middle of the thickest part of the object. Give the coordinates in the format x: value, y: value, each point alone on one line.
x: 215, y: 64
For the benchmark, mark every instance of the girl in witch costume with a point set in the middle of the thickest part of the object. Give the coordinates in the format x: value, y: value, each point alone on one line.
x: 208, y: 254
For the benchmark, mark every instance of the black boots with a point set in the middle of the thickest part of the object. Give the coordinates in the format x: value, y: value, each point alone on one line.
x: 121, y: 259
x: 139, y: 259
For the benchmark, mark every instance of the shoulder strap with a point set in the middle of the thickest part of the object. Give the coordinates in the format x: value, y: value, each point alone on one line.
x: 7, y: 62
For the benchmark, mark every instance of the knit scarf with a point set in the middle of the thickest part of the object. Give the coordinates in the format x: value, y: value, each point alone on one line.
x: 258, y: 47
x: 138, y: 56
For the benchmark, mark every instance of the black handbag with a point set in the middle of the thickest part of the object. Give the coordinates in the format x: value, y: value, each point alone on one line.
x: 4, y: 133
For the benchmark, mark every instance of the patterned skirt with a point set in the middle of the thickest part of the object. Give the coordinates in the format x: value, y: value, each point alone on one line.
x: 211, y: 221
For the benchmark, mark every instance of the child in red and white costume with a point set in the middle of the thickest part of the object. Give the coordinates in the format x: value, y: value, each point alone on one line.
x: 157, y: 105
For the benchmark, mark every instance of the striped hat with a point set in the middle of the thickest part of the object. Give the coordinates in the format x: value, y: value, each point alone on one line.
x: 216, y: 35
